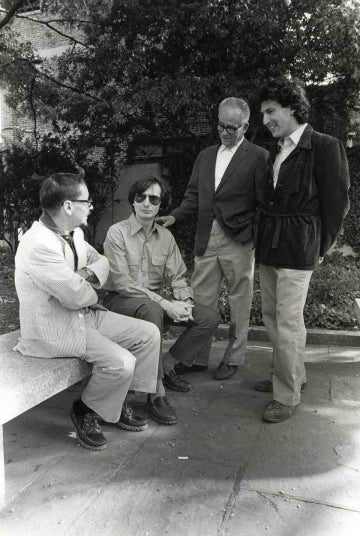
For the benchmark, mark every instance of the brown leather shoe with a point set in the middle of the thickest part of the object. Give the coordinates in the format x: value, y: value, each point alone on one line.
x: 88, y: 431
x: 172, y: 381
x: 277, y: 412
x: 130, y: 421
x: 161, y: 410
x: 266, y: 386
x: 224, y: 371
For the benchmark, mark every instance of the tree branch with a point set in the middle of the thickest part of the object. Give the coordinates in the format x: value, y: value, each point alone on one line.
x: 11, y: 12
x: 53, y: 28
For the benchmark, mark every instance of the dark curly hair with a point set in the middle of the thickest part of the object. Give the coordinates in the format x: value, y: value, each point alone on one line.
x: 287, y: 94
x: 141, y: 185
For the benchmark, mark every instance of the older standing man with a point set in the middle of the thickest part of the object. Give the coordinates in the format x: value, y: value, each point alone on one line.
x: 228, y: 183
x: 301, y: 221
x: 56, y: 273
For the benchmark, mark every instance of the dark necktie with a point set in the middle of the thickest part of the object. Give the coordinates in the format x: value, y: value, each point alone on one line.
x: 70, y: 240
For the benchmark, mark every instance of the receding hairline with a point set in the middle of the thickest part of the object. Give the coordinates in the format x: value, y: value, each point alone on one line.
x: 235, y: 103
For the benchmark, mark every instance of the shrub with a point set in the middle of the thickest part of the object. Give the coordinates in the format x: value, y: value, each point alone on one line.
x: 330, y: 301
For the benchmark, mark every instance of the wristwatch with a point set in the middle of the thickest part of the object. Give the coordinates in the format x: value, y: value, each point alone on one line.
x: 89, y: 272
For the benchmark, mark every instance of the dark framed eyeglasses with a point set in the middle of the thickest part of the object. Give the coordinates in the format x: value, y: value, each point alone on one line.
x: 230, y: 129
x: 154, y: 199
x: 89, y: 202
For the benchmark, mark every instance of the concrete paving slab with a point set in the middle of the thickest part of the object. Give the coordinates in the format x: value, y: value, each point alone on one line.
x: 221, y: 471
x: 261, y: 513
x: 301, y: 455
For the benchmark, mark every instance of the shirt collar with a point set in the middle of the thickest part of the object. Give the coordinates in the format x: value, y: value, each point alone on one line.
x: 233, y: 149
x: 47, y: 220
x: 294, y: 137
x: 135, y: 225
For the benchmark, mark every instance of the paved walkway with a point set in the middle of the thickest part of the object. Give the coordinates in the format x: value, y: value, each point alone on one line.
x: 220, y: 471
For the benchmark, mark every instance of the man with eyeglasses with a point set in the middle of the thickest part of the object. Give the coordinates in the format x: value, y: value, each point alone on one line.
x: 228, y: 183
x: 143, y: 258
x: 56, y: 274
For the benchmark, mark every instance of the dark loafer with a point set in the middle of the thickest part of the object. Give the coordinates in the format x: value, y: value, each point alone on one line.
x: 130, y: 421
x: 266, y: 386
x: 172, y: 381
x: 277, y: 412
x: 88, y: 431
x: 224, y: 371
x: 161, y: 410
x: 180, y: 368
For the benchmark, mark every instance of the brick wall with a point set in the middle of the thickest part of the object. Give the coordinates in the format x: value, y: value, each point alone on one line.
x: 48, y: 43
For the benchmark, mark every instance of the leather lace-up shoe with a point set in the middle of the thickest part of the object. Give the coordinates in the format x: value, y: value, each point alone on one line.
x: 180, y: 368
x: 277, y: 412
x: 224, y: 371
x: 88, y: 431
x: 130, y: 421
x: 161, y: 410
x: 172, y: 381
x: 266, y: 386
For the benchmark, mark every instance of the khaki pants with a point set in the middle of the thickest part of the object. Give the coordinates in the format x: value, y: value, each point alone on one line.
x: 283, y: 295
x: 226, y: 259
x: 125, y: 355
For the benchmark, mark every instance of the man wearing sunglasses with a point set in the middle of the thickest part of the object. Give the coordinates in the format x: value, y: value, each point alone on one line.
x: 228, y: 182
x: 143, y: 257
x: 56, y: 275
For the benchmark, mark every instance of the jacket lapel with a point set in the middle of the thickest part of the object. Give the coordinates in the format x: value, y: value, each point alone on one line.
x: 209, y: 168
x: 80, y: 247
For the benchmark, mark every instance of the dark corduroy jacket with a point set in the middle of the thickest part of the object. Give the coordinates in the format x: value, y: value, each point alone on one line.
x: 244, y: 187
x: 305, y: 212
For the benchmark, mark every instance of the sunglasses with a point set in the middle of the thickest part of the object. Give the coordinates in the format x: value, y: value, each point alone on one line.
x: 154, y: 199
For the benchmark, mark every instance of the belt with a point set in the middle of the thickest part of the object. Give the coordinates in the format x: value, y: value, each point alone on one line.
x: 279, y: 216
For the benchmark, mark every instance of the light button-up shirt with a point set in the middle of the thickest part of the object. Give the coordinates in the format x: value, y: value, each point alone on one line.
x: 141, y: 264
x: 287, y: 145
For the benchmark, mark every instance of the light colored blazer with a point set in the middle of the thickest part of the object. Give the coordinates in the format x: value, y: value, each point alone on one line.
x: 52, y: 295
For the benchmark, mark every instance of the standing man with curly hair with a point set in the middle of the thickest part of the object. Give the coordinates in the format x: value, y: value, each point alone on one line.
x: 304, y: 216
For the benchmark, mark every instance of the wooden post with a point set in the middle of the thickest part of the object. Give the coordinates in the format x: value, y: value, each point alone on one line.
x: 357, y: 308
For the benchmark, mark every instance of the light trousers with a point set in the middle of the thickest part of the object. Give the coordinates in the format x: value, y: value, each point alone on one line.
x: 283, y: 296
x: 124, y: 352
x: 226, y: 259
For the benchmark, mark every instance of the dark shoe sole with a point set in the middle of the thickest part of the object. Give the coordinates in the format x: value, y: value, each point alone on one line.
x: 175, y: 388
x: 130, y: 428
x: 224, y: 376
x: 186, y: 370
x: 274, y: 420
x: 82, y: 442
x: 162, y: 421
x: 265, y: 386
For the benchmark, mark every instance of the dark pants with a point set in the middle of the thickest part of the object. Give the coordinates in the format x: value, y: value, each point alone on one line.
x: 195, y: 338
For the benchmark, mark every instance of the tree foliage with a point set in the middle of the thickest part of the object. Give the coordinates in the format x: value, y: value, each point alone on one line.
x: 157, y: 70
x: 154, y: 71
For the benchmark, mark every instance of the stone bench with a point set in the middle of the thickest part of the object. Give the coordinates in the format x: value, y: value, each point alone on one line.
x: 26, y: 381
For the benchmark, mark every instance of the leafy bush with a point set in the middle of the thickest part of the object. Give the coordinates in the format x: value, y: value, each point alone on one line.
x: 334, y: 286
x: 330, y: 301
